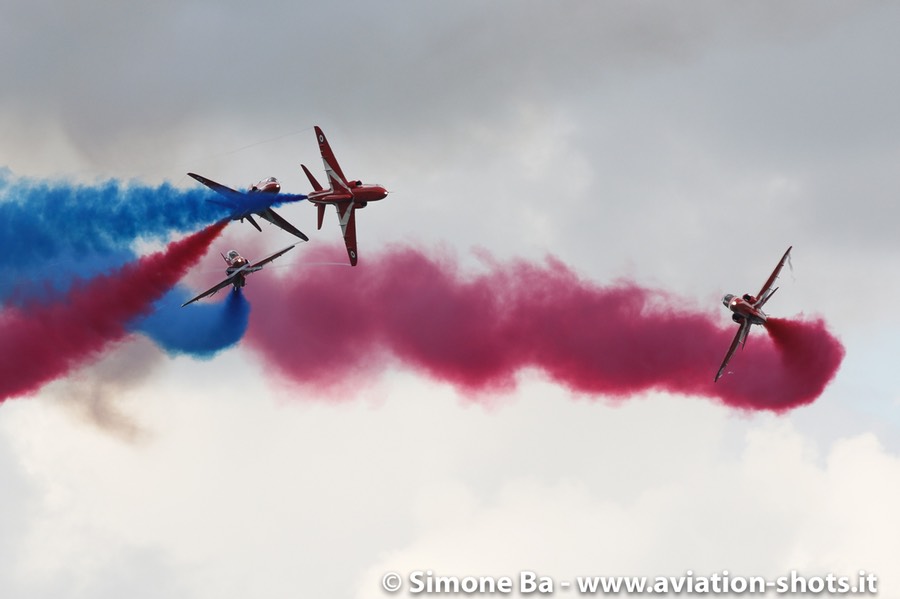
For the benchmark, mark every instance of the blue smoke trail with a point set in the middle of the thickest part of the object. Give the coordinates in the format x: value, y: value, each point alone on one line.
x: 41, y: 219
x: 47, y: 280
x: 201, y: 329
x: 55, y: 233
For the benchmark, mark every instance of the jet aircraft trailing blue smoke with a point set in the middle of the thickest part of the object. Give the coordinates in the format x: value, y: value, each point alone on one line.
x: 55, y: 233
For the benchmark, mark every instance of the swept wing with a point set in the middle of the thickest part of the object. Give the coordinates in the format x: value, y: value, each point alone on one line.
x: 347, y: 216
x: 739, y: 338
x: 258, y: 265
x: 279, y: 221
x: 766, y: 292
x: 336, y: 177
x: 224, y: 190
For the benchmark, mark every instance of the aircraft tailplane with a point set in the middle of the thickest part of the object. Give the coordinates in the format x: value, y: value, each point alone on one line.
x: 762, y: 301
x: 253, y: 222
x: 312, y: 180
x: 321, y: 215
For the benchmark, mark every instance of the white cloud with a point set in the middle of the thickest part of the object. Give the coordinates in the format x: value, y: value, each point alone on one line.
x: 776, y: 507
x: 233, y: 493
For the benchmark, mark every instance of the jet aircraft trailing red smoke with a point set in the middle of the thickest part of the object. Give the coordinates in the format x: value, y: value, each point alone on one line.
x: 478, y: 332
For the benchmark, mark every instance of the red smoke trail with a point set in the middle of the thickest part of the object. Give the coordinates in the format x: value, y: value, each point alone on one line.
x: 334, y: 329
x: 41, y: 342
x: 807, y: 351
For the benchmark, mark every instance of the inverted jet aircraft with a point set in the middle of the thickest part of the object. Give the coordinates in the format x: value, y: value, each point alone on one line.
x: 258, y: 200
x: 237, y: 271
x: 747, y: 311
x: 346, y: 196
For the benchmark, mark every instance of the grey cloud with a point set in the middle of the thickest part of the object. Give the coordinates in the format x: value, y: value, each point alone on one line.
x: 113, y: 71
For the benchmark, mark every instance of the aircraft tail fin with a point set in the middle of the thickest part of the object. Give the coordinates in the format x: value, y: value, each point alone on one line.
x: 312, y: 180
x: 762, y: 301
x: 321, y: 215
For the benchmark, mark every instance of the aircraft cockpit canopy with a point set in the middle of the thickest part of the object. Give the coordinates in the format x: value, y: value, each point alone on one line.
x: 727, y: 299
x: 233, y: 254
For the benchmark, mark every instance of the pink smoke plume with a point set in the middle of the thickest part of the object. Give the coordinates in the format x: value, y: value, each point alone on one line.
x: 40, y: 342
x: 334, y: 329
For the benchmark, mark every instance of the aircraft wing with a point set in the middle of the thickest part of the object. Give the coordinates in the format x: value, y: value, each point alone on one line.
x: 211, y: 290
x: 216, y: 187
x: 739, y: 337
x: 347, y: 215
x: 335, y: 175
x: 766, y: 292
x: 264, y: 261
x: 277, y: 220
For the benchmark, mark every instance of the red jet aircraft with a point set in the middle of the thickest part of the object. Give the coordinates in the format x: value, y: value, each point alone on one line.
x: 747, y: 311
x: 237, y: 271
x: 258, y: 200
x: 347, y: 196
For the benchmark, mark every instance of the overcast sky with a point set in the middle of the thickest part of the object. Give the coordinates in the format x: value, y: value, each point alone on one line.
x: 680, y: 145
